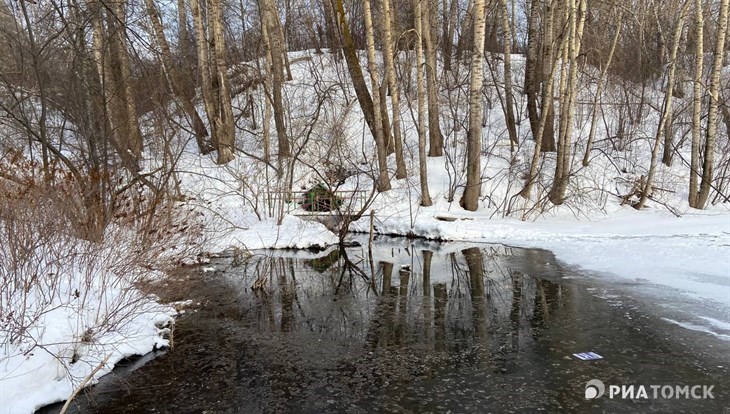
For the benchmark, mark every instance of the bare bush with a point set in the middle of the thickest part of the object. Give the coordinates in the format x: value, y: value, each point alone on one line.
x: 50, y: 275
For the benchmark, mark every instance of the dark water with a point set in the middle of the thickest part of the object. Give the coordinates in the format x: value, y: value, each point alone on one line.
x: 470, y: 328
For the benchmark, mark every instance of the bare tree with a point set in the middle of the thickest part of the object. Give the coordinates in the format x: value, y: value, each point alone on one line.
x: 599, y: 88
x: 549, y: 55
x: 418, y: 17
x: 272, y: 36
x: 696, y: 105
x: 176, y: 77
x: 449, y: 10
x: 115, y: 77
x: 354, y: 69
x: 435, y: 138
x: 576, y: 20
x: 226, y: 128
x: 508, y: 96
x: 472, y: 192
x: 219, y: 111
x: 712, y: 113
x: 400, y: 169
x: 380, y: 143
x: 667, y: 107
x: 531, y: 58
x: 330, y: 22
x: 549, y: 65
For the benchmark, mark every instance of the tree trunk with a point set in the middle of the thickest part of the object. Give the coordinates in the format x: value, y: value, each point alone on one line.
x: 466, y: 37
x: 384, y: 117
x: 546, y: 112
x: 419, y: 18
x: 509, y: 106
x: 113, y: 88
x: 435, y: 138
x: 281, y: 38
x: 548, y: 57
x: 353, y: 67
x: 449, y: 35
x: 227, y: 130
x: 599, y: 88
x: 176, y: 79
x: 445, y: 40
x: 380, y: 144
x: 330, y: 24
x: 667, y: 107
x: 694, y: 169
x: 269, y: 15
x: 710, y: 137
x: 400, y: 171
x: 133, y: 135
x: 206, y: 84
x: 562, y: 168
x: 531, y: 81
x: 472, y: 192
x: 188, y: 78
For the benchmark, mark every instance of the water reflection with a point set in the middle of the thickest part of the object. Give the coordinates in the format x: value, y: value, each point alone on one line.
x: 471, y: 299
x: 407, y: 327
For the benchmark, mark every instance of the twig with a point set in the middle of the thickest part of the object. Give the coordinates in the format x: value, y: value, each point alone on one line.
x: 83, y: 384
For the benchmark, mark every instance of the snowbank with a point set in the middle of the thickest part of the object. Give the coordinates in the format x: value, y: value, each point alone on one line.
x: 689, y: 254
x: 74, y: 335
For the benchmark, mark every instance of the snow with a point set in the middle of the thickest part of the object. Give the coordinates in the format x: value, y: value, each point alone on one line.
x: 689, y: 254
x: 293, y: 233
x: 698, y: 328
x: 40, y: 371
x: 682, y: 254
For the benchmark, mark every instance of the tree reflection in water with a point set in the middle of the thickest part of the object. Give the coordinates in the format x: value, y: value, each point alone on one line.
x: 473, y: 299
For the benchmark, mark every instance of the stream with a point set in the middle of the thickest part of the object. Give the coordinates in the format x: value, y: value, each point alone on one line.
x: 413, y: 327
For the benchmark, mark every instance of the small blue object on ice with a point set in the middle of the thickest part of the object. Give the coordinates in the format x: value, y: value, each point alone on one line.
x: 587, y: 356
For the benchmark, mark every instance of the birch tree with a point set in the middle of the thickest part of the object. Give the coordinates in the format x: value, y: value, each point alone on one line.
x: 712, y: 113
x: 666, y: 108
x: 422, y: 162
x: 696, y: 105
x: 380, y: 143
x: 272, y: 36
x: 546, y: 117
x: 354, y: 69
x: 226, y: 139
x: 400, y: 169
x: 435, y: 137
x: 531, y: 57
x: 221, y: 128
x: 567, y: 105
x: 330, y: 24
x: 549, y: 55
x: 472, y: 192
x: 114, y: 77
x: 117, y: 23
x: 449, y: 10
x: 508, y: 96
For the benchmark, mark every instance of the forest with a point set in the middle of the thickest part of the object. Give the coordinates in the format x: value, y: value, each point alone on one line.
x: 136, y: 134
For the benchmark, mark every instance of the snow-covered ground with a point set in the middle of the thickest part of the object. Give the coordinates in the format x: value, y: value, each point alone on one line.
x: 32, y: 378
x: 676, y: 255
x: 77, y: 335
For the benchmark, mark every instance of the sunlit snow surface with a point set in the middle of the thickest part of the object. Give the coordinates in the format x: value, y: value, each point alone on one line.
x: 682, y: 264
